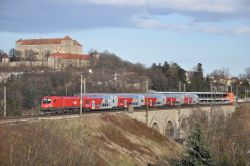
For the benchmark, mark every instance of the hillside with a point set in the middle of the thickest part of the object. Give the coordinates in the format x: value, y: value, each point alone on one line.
x: 94, y: 139
x: 26, y: 86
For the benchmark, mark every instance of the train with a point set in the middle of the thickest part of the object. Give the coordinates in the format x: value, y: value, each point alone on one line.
x: 116, y: 101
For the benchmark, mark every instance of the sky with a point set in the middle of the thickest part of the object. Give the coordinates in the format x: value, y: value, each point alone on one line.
x: 215, y: 33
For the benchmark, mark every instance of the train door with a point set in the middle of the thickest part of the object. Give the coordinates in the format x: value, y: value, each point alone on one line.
x: 114, y: 101
x: 163, y: 100
x: 189, y: 100
x: 142, y: 101
x: 134, y: 102
x: 93, y: 104
x: 125, y: 103
x: 110, y: 101
x: 121, y: 102
x: 137, y: 102
x: 105, y: 104
x: 171, y: 101
x: 160, y: 100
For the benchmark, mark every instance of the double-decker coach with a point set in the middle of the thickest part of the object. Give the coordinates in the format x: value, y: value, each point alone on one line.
x: 99, y: 101
x: 126, y: 100
x: 189, y: 98
x: 154, y: 100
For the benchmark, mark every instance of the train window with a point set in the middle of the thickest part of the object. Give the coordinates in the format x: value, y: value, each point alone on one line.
x: 104, y: 104
x: 46, y: 101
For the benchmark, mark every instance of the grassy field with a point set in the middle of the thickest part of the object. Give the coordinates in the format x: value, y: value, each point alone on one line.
x: 91, y: 140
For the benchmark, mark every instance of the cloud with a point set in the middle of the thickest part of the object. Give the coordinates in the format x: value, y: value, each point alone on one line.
x: 45, y: 16
x: 50, y: 16
x: 217, y: 6
x: 241, y: 31
x: 147, y: 22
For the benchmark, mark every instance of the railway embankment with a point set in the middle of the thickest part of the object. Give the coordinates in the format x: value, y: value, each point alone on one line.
x: 99, y: 139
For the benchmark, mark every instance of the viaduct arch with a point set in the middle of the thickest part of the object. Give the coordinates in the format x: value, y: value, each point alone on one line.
x: 173, y: 122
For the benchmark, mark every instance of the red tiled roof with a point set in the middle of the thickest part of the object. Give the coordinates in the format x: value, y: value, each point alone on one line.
x: 70, y: 56
x: 46, y: 41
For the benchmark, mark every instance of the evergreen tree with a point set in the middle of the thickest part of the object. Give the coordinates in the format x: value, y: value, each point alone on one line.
x: 197, y: 79
x: 166, y: 68
x: 182, y: 75
x: 175, y: 76
x: 166, y: 77
x: 196, y: 154
x: 29, y: 95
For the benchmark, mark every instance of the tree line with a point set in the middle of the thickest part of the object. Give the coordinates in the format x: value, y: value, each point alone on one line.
x: 112, y: 74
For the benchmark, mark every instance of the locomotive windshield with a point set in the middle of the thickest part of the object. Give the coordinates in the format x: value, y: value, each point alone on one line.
x: 46, y: 101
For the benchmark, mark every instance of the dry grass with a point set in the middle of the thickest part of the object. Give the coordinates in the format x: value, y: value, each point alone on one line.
x: 134, y: 127
x: 34, y: 144
x: 113, y: 134
x: 136, y: 136
x: 91, y: 140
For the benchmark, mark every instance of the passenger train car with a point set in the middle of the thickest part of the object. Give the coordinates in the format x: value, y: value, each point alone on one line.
x: 108, y: 101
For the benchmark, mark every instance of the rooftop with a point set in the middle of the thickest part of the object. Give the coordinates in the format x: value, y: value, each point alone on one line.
x: 46, y: 41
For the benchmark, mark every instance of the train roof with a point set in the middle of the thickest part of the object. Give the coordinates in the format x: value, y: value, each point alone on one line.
x: 192, y: 93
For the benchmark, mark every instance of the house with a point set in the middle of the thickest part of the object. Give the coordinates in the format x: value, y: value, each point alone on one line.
x: 4, y: 59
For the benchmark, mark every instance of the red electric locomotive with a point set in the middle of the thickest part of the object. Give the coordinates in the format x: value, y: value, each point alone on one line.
x: 60, y: 103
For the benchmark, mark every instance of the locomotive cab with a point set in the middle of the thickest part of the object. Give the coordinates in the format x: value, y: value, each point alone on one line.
x: 46, y: 104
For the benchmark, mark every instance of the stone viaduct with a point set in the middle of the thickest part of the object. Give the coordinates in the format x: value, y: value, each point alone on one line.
x: 173, y: 121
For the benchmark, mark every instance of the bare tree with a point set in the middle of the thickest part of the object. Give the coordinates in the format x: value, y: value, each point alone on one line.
x: 247, y: 72
x: 219, y: 78
x: 31, y: 55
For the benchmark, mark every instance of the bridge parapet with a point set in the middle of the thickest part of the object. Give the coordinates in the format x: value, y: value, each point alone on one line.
x: 172, y: 122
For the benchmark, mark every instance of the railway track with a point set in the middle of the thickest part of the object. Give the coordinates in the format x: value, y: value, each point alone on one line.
x: 32, y: 119
x: 38, y: 118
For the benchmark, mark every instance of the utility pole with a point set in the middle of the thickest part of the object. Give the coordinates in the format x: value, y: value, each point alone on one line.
x: 184, y: 87
x: 147, y: 100
x: 237, y: 93
x: 245, y: 94
x: 179, y: 113
x: 179, y: 86
x: 81, y: 99
x: 67, y: 85
x: 212, y: 97
x: 115, y: 78
x: 4, y: 100
x: 84, y: 84
x: 66, y: 90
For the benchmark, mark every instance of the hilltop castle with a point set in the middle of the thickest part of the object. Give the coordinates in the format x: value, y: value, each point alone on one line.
x: 56, y: 53
x: 40, y: 49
